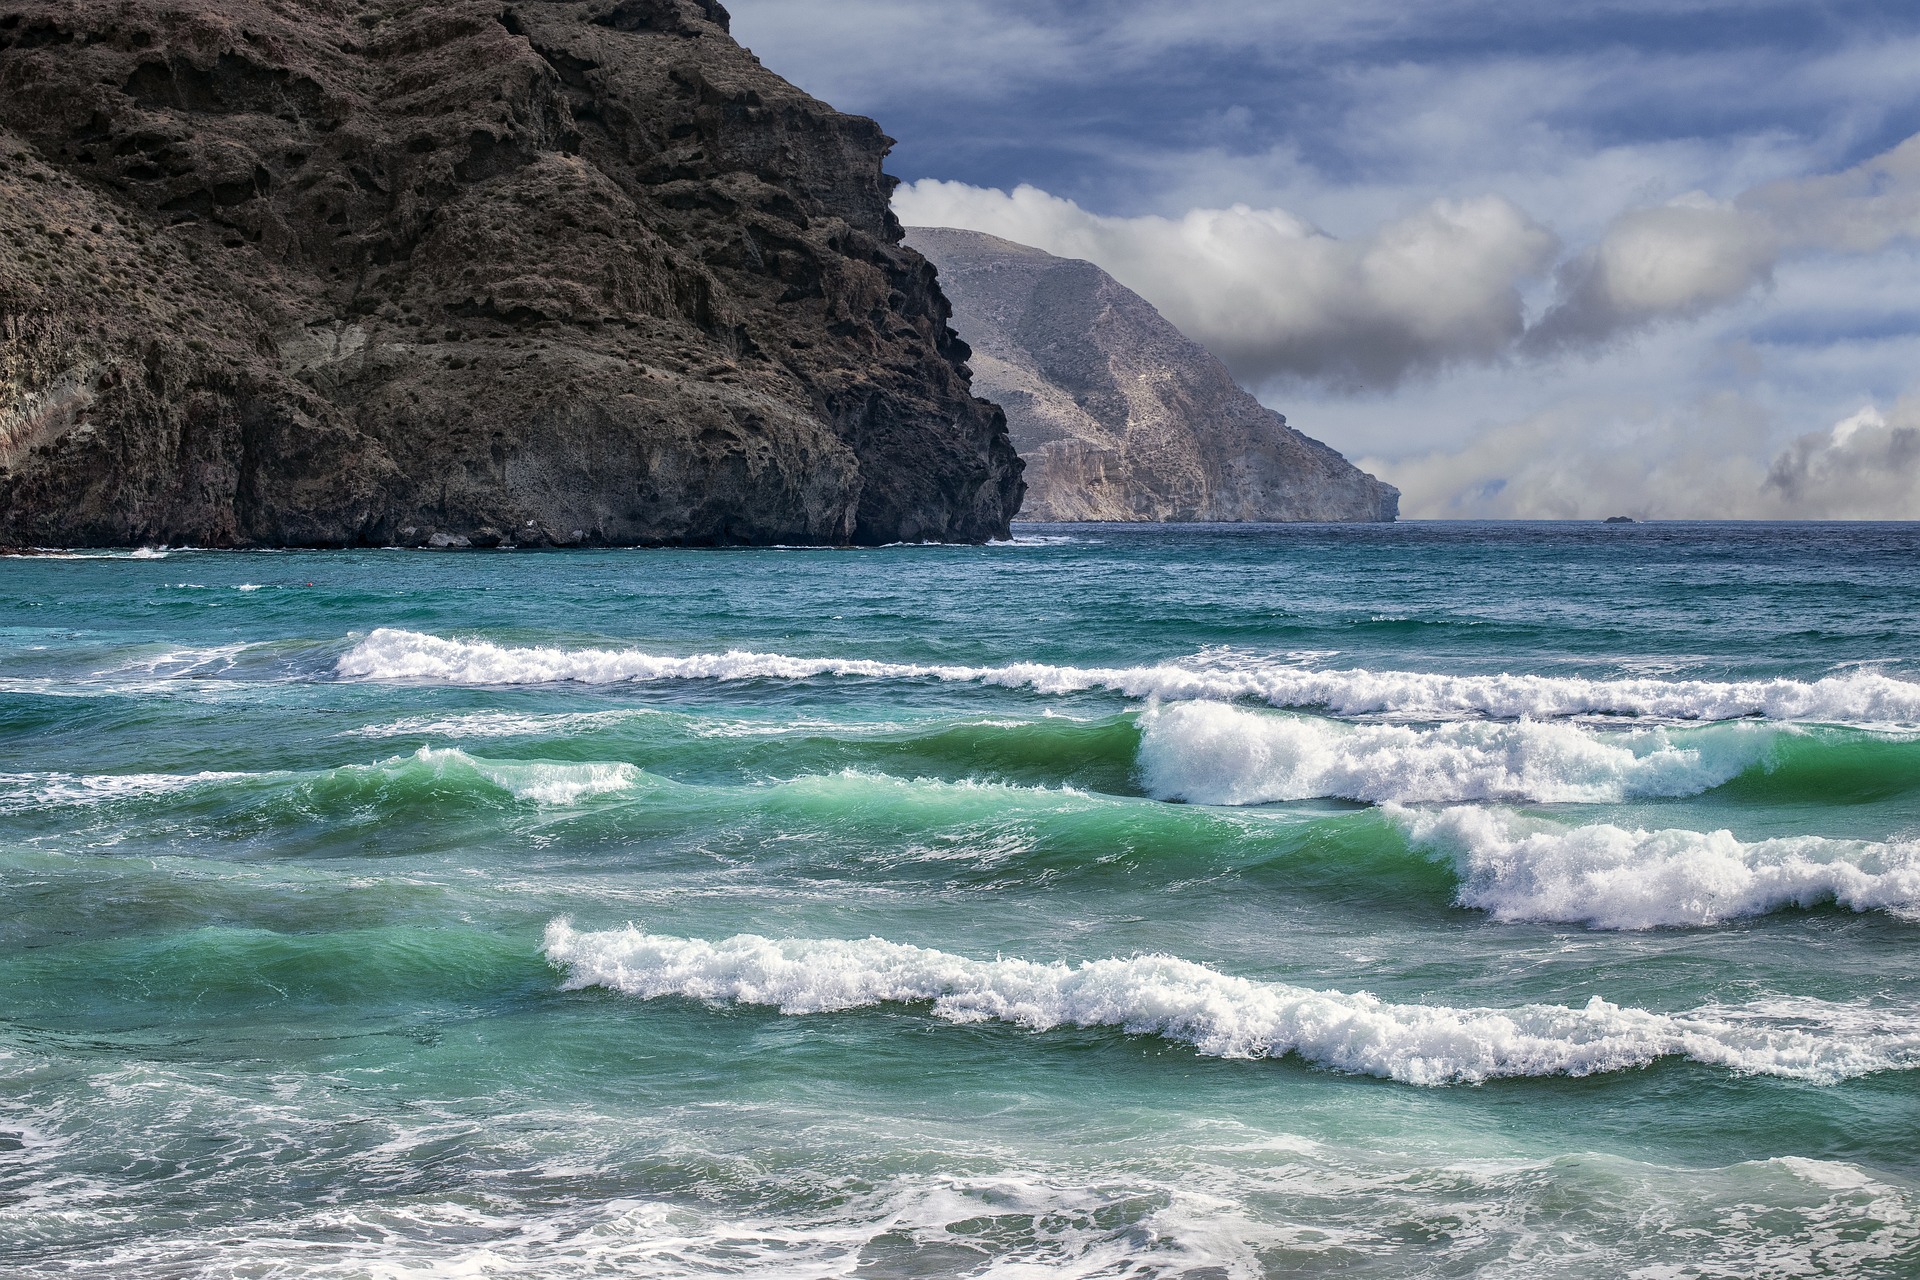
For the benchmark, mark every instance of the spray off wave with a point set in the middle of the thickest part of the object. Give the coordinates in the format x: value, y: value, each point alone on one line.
x: 1224, y: 1016
x: 1856, y: 698
x: 1611, y: 877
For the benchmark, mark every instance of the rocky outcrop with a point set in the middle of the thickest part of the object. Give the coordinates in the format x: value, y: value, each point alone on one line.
x: 1118, y: 414
x: 325, y: 272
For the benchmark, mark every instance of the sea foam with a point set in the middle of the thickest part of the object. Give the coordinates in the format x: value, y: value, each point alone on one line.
x: 1857, y: 697
x: 501, y: 724
x: 513, y: 724
x: 1224, y: 1016
x: 1612, y: 877
x: 544, y: 782
x: 25, y: 792
x: 1212, y: 753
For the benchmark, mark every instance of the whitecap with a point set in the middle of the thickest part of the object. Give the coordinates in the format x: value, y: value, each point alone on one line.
x: 1044, y: 540
x: 1211, y: 753
x: 24, y: 792
x: 190, y: 660
x: 541, y: 781
x: 513, y: 724
x: 1217, y: 1014
x: 1863, y: 697
x: 498, y: 724
x: 1612, y: 877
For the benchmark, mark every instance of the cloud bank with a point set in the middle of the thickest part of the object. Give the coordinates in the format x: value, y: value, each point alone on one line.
x: 1695, y: 253
x: 1698, y: 461
x: 1638, y: 255
x: 1272, y: 295
x: 1866, y: 468
x: 1275, y: 297
x: 1679, y: 260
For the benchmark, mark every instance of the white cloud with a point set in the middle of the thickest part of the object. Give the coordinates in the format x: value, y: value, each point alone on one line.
x: 1350, y: 201
x: 1866, y: 468
x: 1108, y: 104
x: 833, y: 42
x: 1270, y: 294
x: 1273, y: 296
x: 1699, y: 424
x: 1858, y: 210
x: 1702, y: 460
x: 1589, y: 460
x: 1696, y: 253
x: 1681, y: 259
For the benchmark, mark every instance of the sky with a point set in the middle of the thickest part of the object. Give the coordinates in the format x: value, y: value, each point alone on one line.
x: 1657, y: 258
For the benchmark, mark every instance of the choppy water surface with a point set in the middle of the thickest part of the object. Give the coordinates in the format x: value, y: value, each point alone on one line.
x: 1426, y: 900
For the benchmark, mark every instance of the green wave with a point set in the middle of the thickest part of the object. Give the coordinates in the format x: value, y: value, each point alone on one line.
x: 220, y: 970
x: 1055, y: 788
x: 1831, y: 765
x: 1093, y: 754
x: 1788, y: 762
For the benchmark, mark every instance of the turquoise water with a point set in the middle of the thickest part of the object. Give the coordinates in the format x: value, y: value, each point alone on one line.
x: 1433, y: 900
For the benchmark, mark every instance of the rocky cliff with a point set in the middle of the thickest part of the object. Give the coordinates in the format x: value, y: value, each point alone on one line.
x: 1118, y: 414
x: 323, y: 272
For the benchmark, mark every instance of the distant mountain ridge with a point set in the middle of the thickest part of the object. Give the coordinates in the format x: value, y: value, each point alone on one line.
x: 1118, y: 414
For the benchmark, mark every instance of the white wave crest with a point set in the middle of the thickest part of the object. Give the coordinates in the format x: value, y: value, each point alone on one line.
x: 1211, y: 753
x: 1856, y: 697
x: 23, y: 792
x: 389, y: 654
x: 539, y: 781
x: 557, y: 724
x: 543, y: 782
x: 1219, y: 1015
x: 1044, y: 540
x: 500, y: 724
x: 1613, y: 877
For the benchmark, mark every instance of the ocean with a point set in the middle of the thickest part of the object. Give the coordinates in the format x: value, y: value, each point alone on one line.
x: 1514, y: 900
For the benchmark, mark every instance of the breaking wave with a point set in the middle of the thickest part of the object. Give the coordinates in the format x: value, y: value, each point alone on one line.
x: 539, y: 781
x: 1856, y: 697
x: 1612, y: 877
x: 1224, y: 1016
x: 1211, y: 753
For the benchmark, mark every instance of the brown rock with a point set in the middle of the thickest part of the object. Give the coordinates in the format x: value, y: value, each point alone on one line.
x: 321, y: 272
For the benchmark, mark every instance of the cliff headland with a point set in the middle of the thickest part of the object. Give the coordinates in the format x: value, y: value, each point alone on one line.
x: 1118, y: 414
x: 327, y: 272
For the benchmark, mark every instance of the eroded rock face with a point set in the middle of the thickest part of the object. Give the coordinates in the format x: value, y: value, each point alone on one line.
x: 321, y: 272
x: 1118, y: 414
